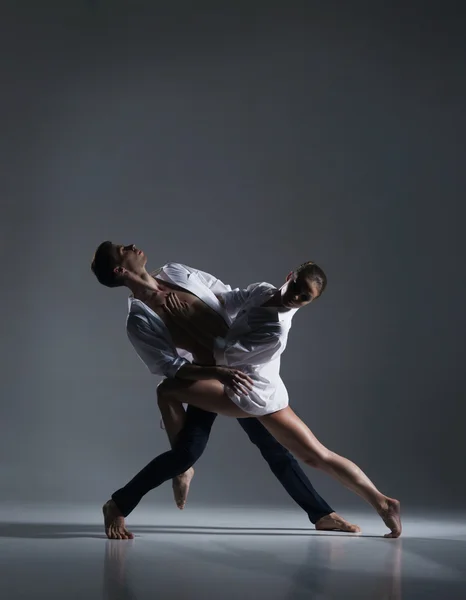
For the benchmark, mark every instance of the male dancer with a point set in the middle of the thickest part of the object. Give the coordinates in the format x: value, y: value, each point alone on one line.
x: 151, y: 320
x: 178, y: 277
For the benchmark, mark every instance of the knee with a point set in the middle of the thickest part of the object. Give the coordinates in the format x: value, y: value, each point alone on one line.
x: 318, y: 459
x: 188, y: 454
x: 164, y: 390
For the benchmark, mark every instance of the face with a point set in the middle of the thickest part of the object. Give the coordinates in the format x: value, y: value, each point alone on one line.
x: 298, y: 291
x: 130, y: 258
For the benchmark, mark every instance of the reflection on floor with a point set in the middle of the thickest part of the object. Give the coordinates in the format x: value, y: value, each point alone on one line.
x: 226, y: 554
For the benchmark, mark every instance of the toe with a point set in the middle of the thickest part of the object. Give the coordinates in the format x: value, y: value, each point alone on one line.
x: 392, y: 535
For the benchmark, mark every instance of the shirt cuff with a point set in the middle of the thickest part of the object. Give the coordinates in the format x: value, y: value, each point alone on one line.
x: 175, y: 366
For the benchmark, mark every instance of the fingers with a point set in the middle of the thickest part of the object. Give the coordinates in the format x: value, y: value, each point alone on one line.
x: 245, y: 379
x: 239, y: 389
x: 174, y: 300
x: 168, y: 310
x: 170, y: 303
x: 170, y: 306
x: 175, y: 304
x: 241, y: 383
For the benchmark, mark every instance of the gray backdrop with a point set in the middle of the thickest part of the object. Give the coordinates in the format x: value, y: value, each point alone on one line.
x: 241, y: 139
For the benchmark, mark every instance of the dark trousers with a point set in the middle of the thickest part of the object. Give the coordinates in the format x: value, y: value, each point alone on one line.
x: 190, y: 446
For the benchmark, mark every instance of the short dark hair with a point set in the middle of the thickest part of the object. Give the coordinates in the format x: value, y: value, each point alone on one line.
x: 103, y: 265
x: 314, y: 273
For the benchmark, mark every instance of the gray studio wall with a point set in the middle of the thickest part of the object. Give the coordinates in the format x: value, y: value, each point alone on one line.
x: 240, y: 142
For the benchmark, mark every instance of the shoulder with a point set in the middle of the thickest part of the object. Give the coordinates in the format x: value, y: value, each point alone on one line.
x: 260, y: 289
x: 176, y: 266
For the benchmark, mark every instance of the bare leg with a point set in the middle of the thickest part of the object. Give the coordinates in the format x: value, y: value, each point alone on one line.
x: 207, y: 394
x: 173, y: 413
x: 174, y: 417
x: 286, y: 469
x: 290, y: 431
x: 169, y: 398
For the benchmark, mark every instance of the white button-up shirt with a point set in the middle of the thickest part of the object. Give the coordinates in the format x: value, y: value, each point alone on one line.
x: 253, y: 344
x: 149, y: 334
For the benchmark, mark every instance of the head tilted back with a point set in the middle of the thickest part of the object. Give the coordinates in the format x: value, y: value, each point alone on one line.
x: 103, y: 265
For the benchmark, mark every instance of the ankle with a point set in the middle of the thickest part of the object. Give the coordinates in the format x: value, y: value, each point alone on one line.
x: 113, y: 508
x: 382, y: 503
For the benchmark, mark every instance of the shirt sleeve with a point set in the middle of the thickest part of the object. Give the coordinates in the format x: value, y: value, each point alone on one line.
x: 233, y: 301
x: 213, y: 283
x: 255, y: 347
x: 159, y: 356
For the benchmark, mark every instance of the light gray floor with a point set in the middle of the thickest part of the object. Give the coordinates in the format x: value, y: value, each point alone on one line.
x: 237, y: 553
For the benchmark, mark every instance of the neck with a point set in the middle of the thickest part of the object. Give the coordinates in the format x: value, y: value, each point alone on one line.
x: 276, y: 300
x: 141, y: 283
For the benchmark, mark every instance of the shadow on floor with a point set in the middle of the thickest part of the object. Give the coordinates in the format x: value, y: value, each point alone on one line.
x: 58, y: 530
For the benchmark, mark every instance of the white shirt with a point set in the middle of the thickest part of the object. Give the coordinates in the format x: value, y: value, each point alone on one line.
x: 253, y: 344
x: 149, y: 334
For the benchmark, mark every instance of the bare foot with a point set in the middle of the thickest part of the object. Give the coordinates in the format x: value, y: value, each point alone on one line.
x: 180, y: 486
x: 390, y: 514
x: 333, y: 522
x: 115, y: 523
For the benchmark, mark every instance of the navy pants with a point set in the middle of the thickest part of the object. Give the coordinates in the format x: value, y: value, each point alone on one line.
x: 190, y: 446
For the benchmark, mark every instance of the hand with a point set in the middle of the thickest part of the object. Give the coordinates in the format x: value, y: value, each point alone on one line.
x: 178, y: 310
x: 181, y: 313
x: 238, y: 381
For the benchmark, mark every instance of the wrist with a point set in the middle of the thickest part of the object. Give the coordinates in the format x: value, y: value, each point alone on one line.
x: 198, y: 372
x: 212, y: 371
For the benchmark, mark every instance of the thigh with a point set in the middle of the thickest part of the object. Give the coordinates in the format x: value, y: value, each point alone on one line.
x: 288, y: 429
x: 208, y: 395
